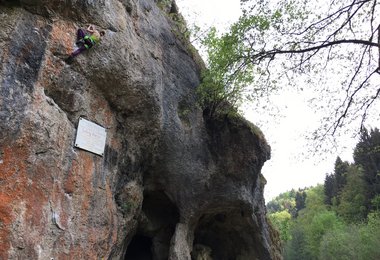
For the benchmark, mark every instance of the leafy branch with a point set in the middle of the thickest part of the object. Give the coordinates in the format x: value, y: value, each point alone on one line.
x: 292, y: 38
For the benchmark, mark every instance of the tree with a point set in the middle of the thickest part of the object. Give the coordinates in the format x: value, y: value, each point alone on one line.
x: 322, y: 223
x: 352, y: 199
x: 225, y: 79
x: 278, y: 40
x: 367, y: 155
x: 334, y: 183
x: 341, y: 243
x: 330, y: 189
x: 284, y: 201
x: 310, y: 226
x: 295, y: 249
x: 354, y: 241
x: 273, y: 206
x: 281, y: 221
x: 300, y: 201
x: 340, y: 170
x: 344, y: 31
x: 376, y: 203
x: 369, y: 237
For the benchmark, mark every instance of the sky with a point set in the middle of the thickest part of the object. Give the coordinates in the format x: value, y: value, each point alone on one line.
x: 288, y: 167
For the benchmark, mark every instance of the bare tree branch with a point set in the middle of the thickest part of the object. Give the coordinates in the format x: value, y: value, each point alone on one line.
x: 378, y: 42
x: 324, y: 45
x: 351, y: 99
x: 330, y: 19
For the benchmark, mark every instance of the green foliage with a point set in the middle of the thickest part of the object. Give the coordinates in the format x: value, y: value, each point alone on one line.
x: 367, y: 155
x: 340, y: 244
x: 295, y: 249
x: 369, y: 237
x: 376, y: 202
x: 312, y: 221
x: 330, y: 189
x: 231, y: 62
x: 310, y: 227
x: 340, y: 171
x: 323, y: 222
x: 281, y: 221
x: 226, y: 76
x: 353, y: 196
x: 315, y: 199
x: 300, y: 200
x: 274, y: 42
x: 354, y: 241
x: 284, y: 201
x: 335, y: 182
x: 164, y: 4
x: 337, y: 220
x: 291, y: 201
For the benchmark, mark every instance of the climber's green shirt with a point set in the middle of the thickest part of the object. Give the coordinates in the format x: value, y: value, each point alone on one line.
x: 94, y: 38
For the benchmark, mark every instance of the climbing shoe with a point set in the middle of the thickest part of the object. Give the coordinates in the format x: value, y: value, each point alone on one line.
x: 69, y: 59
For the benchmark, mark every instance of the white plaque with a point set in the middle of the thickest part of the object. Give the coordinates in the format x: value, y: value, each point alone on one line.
x: 91, y: 137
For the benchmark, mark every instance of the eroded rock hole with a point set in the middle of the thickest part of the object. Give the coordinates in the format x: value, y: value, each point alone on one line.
x: 227, y: 236
x: 140, y: 248
x: 157, y: 224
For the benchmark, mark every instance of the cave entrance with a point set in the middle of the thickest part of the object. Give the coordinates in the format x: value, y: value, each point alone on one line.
x: 157, y: 223
x: 228, y: 235
x: 140, y: 248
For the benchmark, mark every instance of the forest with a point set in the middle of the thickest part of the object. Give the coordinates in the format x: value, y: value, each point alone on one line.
x: 339, y: 219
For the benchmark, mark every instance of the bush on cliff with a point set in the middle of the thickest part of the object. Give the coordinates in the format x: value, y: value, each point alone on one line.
x: 226, y: 78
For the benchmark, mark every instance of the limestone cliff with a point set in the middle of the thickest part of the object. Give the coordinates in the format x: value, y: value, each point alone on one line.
x: 171, y: 184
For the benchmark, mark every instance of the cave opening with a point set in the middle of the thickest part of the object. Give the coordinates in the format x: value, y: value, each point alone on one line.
x: 140, y: 248
x: 227, y: 235
x: 156, y: 227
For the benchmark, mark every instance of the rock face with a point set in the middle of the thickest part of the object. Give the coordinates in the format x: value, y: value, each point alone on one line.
x: 171, y: 184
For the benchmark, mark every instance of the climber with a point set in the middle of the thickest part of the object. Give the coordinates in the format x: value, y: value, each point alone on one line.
x: 86, y: 39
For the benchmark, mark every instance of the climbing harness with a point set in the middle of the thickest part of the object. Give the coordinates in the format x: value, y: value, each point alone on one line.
x: 88, y: 41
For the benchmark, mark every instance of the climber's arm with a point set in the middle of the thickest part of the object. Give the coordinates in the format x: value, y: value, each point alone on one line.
x: 90, y: 28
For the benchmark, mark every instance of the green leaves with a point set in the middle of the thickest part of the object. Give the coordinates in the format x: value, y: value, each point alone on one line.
x: 281, y: 221
x: 226, y: 75
x: 339, y: 227
x: 233, y: 60
x: 354, y: 241
x: 353, y: 196
x: 230, y: 64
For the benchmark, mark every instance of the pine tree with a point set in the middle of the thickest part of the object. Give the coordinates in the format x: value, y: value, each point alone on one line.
x: 353, y: 196
x: 367, y: 155
x: 340, y: 171
x: 335, y: 182
x: 300, y: 201
x: 330, y: 189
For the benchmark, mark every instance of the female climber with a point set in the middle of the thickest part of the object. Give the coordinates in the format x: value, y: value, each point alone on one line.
x: 86, y: 39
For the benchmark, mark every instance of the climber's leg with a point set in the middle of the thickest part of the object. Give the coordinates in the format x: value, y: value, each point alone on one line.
x: 80, y: 34
x: 78, y: 51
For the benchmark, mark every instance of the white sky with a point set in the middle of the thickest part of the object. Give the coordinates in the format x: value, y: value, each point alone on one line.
x: 288, y: 167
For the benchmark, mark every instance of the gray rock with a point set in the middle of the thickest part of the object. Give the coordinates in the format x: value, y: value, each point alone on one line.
x: 169, y: 179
